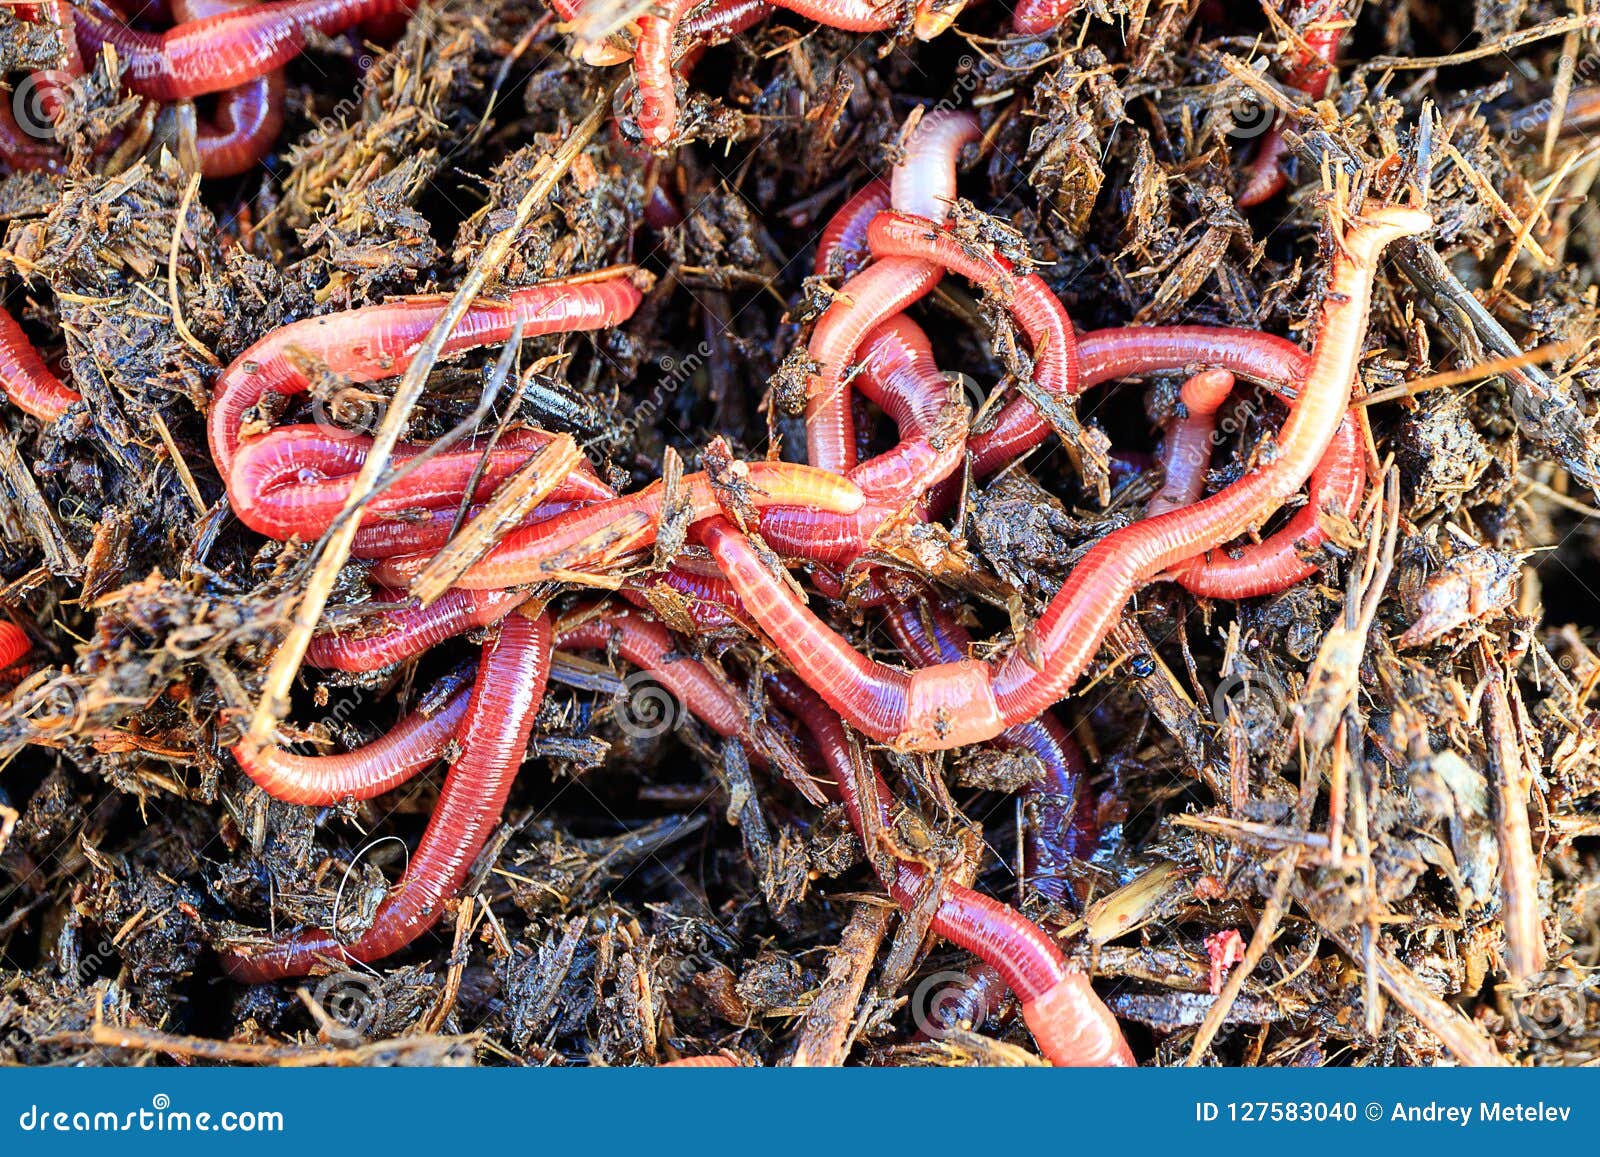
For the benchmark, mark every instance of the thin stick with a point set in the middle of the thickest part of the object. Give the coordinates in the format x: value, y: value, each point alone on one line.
x: 178, y: 323
x: 286, y: 663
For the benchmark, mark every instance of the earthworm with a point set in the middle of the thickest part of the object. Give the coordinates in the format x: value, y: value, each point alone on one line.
x: 26, y: 380
x: 242, y: 128
x: 379, y: 341
x: 1187, y: 451
x: 14, y: 643
x: 953, y: 704
x: 868, y: 299
x: 924, y: 183
x: 723, y: 20
x: 650, y: 646
x: 842, y: 248
x: 927, y: 634
x: 653, y: 72
x: 1070, y: 1023
x: 296, y: 480
x: 714, y: 1061
x: 1037, y: 17
x: 846, y: 15
x: 223, y: 50
x: 926, y: 180
x: 1031, y: 303
x: 494, y: 740
x: 22, y: 149
x: 605, y: 532
x: 1310, y: 73
x: 247, y: 119
x: 1251, y: 570
x: 407, y: 749
x: 405, y: 632
x: 890, y: 483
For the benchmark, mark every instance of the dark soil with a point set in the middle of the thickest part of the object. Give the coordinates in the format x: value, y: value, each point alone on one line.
x: 1325, y: 773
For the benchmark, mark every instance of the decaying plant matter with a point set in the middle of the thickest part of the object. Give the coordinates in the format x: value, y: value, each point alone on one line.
x: 516, y: 551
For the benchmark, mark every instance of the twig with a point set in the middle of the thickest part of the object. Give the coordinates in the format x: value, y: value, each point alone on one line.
x: 178, y: 323
x: 434, y: 1020
x: 230, y: 1052
x: 1260, y: 941
x: 336, y: 551
x: 1519, y: 872
x: 1491, y: 48
x: 825, y: 1032
x: 516, y: 496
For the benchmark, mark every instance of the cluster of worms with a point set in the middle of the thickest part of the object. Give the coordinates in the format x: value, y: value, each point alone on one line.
x: 752, y: 525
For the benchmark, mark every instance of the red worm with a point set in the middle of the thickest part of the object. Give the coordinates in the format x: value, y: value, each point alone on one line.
x: 704, y: 594
x: 892, y: 483
x: 224, y: 50
x: 848, y: 15
x: 1187, y: 452
x: 27, y: 382
x: 868, y: 299
x: 651, y: 647
x: 607, y: 532
x: 926, y: 180
x: 924, y: 183
x: 654, y: 74
x: 409, y: 748
x: 379, y: 341
x: 714, y: 1061
x: 247, y: 119
x: 657, y: 63
x: 1065, y: 826
x: 1070, y: 1023
x: 494, y: 740
x: 1036, y: 310
x: 1036, y: 17
x: 14, y: 643
x: 296, y: 480
x: 723, y: 20
x: 24, y: 149
x: 953, y: 704
x: 842, y: 248
x: 1310, y: 73
x: 241, y: 131
x: 406, y: 632
x: 1336, y: 484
